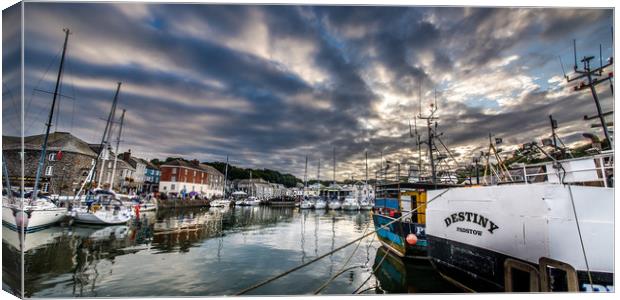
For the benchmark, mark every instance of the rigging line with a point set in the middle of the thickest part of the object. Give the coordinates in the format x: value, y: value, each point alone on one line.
x: 41, y: 79
x: 343, y: 265
x: 373, y: 272
x: 14, y: 99
x: 585, y: 258
x: 73, y: 94
x: 255, y: 286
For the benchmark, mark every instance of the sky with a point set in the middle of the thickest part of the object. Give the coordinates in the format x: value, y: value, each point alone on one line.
x: 268, y: 85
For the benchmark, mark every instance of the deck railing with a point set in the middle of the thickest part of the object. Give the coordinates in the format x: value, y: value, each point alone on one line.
x: 591, y: 169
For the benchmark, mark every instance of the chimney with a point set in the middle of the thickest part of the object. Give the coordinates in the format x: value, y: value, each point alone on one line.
x: 127, y: 155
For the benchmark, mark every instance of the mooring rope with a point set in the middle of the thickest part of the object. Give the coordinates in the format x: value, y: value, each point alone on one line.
x: 255, y: 286
x: 343, y: 265
x: 570, y: 193
x: 372, y: 273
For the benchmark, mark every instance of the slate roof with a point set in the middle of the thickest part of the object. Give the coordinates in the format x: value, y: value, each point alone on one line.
x: 56, y: 141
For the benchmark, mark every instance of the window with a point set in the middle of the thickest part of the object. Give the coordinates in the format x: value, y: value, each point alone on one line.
x: 49, y: 170
x: 45, y: 187
x: 185, y: 171
x: 109, y: 165
x: 172, y: 187
x: 194, y: 172
x: 51, y: 157
x: 174, y: 170
x: 164, y: 187
x: 173, y: 179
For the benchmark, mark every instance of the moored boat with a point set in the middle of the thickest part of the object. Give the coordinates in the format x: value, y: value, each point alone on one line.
x: 350, y: 203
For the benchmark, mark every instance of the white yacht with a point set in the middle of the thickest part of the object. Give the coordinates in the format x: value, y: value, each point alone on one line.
x: 102, y: 208
x: 320, y: 203
x: 253, y: 201
x: 350, y: 203
x: 220, y: 203
x: 30, y: 215
x: 306, y: 204
x: 334, y: 204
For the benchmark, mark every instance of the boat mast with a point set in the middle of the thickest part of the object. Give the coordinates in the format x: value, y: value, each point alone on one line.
x: 306, y: 176
x: 366, y: 167
x: 105, y: 142
x: 431, y: 136
x: 118, y: 141
x: 251, y: 185
x: 50, y: 117
x: 105, y: 133
x: 334, y: 155
x: 225, y: 178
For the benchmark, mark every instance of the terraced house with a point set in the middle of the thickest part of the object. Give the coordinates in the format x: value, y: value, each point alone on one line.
x: 180, y: 177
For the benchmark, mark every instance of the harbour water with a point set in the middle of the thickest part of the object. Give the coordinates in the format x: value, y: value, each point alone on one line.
x: 211, y: 252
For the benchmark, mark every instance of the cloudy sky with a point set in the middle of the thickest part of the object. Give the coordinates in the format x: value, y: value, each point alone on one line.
x: 269, y: 84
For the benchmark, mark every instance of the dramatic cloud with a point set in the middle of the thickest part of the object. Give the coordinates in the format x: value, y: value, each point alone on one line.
x: 268, y: 85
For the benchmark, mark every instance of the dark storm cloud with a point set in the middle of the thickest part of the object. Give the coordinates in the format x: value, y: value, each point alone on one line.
x: 204, y: 81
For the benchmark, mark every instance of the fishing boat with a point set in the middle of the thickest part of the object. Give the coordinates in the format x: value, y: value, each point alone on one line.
x: 102, y: 208
x: 33, y: 213
x: 402, y: 203
x: 549, y: 227
x: 350, y: 203
x: 406, y: 237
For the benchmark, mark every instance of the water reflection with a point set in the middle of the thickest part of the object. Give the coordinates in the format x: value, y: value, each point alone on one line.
x: 195, y: 252
x: 397, y: 275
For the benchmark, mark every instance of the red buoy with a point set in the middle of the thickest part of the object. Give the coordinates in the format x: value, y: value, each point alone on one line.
x: 412, y: 239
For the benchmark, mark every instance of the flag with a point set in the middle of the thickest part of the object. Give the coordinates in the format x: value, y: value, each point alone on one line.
x: 59, y: 155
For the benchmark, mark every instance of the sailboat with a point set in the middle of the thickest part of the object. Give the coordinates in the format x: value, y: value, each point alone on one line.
x: 35, y: 212
x: 102, y: 207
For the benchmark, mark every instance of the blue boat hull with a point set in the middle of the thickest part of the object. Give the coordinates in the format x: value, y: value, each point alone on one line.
x: 394, y: 236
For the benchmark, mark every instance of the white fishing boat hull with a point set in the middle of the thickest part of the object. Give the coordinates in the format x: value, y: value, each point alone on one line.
x: 320, y: 205
x: 306, y: 205
x: 474, y: 230
x: 31, y: 218
x: 101, y: 216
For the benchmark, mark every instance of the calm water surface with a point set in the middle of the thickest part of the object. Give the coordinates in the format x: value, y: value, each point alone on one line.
x: 200, y: 252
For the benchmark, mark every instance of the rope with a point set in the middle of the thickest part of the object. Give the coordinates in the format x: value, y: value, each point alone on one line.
x: 570, y: 192
x: 373, y: 272
x: 255, y: 286
x: 343, y: 265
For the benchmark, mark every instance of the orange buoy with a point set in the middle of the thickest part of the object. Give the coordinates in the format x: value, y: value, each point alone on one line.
x: 412, y: 239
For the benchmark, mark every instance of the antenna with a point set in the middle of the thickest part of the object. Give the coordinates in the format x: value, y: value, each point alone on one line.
x: 575, y: 53
x: 600, y: 57
x: 588, y: 73
x: 410, y: 132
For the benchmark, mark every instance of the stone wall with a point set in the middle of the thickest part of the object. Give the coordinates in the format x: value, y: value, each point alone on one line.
x: 68, y: 173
